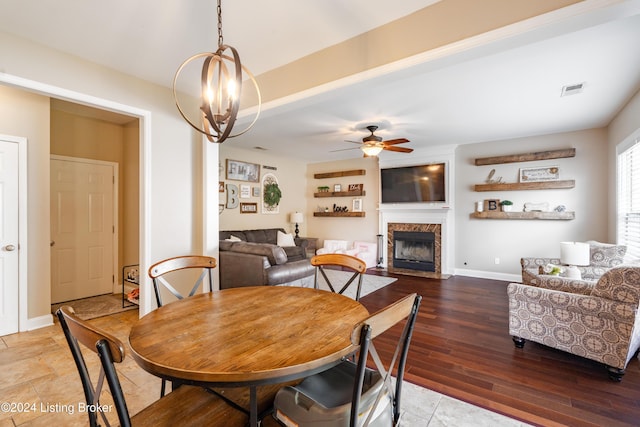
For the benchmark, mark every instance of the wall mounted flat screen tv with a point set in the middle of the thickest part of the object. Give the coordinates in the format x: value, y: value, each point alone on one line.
x: 414, y: 184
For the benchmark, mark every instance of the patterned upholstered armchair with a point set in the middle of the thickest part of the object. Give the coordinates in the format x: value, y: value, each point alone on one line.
x: 596, y: 320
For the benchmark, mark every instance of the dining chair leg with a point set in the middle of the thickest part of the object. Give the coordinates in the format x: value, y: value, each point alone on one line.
x: 253, y: 406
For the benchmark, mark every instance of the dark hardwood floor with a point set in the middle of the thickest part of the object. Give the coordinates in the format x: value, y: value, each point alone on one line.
x: 461, y: 348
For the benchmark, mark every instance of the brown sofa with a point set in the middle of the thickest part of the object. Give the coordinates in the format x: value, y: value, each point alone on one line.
x: 253, y: 258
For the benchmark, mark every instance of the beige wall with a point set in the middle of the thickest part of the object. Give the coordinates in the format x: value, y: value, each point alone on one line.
x: 26, y: 115
x: 479, y: 242
x: 356, y: 228
x: 290, y: 181
x: 88, y: 138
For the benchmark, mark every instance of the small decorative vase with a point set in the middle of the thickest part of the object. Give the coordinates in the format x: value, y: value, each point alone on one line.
x: 506, y: 208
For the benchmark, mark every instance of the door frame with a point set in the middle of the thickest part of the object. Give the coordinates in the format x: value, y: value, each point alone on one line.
x: 114, y: 236
x: 144, y: 117
x: 22, y: 227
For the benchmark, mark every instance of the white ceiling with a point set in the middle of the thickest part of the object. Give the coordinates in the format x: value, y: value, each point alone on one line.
x: 504, y: 89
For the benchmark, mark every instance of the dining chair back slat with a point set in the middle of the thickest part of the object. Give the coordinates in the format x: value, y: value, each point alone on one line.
x: 351, y: 263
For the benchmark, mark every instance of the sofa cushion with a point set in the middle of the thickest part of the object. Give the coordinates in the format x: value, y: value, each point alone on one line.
x: 606, y: 255
x: 275, y: 254
x: 285, y: 240
x: 620, y: 284
x: 224, y: 235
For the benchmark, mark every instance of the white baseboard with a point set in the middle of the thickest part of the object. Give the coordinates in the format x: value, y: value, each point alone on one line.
x: 39, y: 322
x: 506, y: 277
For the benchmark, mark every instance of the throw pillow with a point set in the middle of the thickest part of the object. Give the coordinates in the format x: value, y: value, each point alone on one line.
x: 285, y: 240
x: 606, y: 255
x: 233, y: 238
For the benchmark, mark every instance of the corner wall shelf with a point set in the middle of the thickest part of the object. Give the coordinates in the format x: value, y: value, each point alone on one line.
x: 524, y: 215
x: 527, y: 157
x: 516, y: 186
x: 340, y: 193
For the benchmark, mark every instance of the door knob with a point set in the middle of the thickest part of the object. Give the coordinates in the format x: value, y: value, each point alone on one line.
x: 53, y: 242
x: 9, y: 248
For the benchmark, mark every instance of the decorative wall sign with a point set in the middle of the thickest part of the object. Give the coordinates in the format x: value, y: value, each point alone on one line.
x: 248, y: 208
x: 492, y: 204
x: 357, y: 205
x: 245, y: 191
x: 256, y: 191
x: 221, y: 187
x: 243, y: 171
x: 269, y: 204
x: 232, y: 196
x: 356, y: 187
x: 547, y: 173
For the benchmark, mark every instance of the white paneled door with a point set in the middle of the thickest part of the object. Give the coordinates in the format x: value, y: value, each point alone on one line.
x: 9, y: 253
x: 82, y: 228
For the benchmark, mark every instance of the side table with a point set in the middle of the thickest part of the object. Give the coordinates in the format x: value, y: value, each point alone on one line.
x: 311, y: 246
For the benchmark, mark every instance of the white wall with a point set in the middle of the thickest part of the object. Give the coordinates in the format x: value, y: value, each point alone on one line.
x: 479, y: 242
x: 349, y: 228
x: 290, y: 175
x: 174, y: 184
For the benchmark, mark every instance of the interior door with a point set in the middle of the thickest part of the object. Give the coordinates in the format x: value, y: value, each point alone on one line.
x: 9, y: 253
x: 82, y: 228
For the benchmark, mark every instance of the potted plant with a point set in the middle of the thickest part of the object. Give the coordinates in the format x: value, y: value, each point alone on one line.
x: 507, y: 205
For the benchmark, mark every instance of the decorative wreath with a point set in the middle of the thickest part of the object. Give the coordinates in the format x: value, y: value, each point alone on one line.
x: 272, y: 194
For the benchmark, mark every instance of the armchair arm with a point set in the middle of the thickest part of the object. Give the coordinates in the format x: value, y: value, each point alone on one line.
x: 564, y: 284
x: 563, y: 305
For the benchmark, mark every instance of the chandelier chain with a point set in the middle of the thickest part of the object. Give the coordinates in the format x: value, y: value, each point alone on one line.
x: 220, y: 40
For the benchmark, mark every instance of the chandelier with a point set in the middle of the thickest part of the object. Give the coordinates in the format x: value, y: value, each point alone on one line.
x: 221, y: 87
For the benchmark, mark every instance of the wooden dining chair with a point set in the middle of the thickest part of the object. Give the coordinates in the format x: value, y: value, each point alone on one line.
x: 351, y: 263
x: 187, y: 405
x: 352, y: 393
x: 163, y: 273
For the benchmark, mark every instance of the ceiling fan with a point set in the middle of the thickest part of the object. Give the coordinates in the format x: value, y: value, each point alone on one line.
x: 372, y: 145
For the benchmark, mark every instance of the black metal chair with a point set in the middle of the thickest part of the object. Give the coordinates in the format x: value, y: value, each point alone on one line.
x: 352, y: 392
x: 187, y: 405
x: 356, y: 265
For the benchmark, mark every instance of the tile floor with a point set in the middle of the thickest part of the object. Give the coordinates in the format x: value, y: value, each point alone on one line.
x: 39, y: 381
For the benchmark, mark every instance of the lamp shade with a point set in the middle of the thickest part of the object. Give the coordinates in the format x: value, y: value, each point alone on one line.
x: 296, y: 218
x: 574, y: 253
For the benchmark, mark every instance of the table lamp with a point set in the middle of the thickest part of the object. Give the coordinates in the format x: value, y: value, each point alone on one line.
x: 574, y: 254
x: 296, y: 218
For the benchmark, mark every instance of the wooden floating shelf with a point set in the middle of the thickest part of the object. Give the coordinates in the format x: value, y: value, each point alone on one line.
x: 340, y: 193
x: 340, y: 174
x: 527, y: 157
x: 524, y: 215
x: 343, y: 214
x: 515, y: 186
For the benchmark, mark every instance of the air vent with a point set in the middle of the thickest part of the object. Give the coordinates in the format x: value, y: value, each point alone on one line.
x: 572, y: 89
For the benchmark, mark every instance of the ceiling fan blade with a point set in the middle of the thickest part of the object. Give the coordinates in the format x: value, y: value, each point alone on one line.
x: 395, y: 141
x: 344, y: 149
x: 398, y: 149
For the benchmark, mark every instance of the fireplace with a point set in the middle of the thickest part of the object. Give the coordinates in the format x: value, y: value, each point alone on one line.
x: 414, y: 250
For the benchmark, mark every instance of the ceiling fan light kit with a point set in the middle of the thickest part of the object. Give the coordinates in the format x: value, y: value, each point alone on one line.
x: 221, y: 85
x: 372, y: 144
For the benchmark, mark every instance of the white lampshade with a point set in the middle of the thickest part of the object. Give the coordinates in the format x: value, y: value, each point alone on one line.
x: 574, y: 253
x: 296, y: 218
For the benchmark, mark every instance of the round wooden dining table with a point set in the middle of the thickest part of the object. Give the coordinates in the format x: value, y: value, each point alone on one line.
x: 246, y: 336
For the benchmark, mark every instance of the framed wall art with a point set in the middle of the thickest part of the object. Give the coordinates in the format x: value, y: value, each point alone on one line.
x: 357, y: 205
x: 248, y: 208
x: 546, y: 173
x: 245, y: 191
x: 243, y: 171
